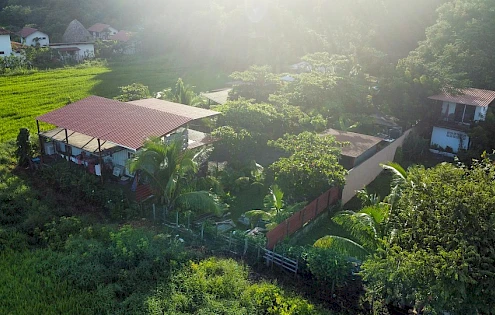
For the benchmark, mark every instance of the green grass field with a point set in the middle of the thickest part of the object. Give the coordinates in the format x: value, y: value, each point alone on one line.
x: 23, y: 97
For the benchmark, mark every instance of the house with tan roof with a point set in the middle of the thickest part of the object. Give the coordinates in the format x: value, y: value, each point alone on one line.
x: 356, y: 147
x: 101, y: 133
x: 458, y: 112
x: 33, y: 37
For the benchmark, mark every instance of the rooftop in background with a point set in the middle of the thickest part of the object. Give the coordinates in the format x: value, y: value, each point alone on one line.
x: 187, y: 111
x: 98, y: 27
x: 4, y: 31
x: 76, y: 33
x: 122, y: 36
x: 17, y: 46
x: 220, y: 96
x: 125, y: 124
x: 359, y: 143
x: 25, y: 32
x: 475, y: 97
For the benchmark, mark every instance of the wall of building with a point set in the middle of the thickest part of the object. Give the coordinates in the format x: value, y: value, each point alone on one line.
x: 362, y: 175
x: 5, y: 45
x: 86, y: 50
x: 444, y: 137
x: 44, y: 40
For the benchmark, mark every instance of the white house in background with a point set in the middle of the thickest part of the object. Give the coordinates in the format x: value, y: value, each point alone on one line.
x: 77, y: 43
x: 33, y: 37
x: 76, y: 51
x: 458, y: 113
x: 102, y: 31
x: 5, y: 44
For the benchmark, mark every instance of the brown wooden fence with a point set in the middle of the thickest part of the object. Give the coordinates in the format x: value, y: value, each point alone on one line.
x: 299, y: 219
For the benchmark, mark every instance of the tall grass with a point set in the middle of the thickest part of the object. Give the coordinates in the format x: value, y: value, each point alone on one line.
x: 27, y: 95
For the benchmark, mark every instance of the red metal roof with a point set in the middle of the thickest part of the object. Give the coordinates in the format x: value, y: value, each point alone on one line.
x: 190, y: 112
x: 125, y: 124
x: 475, y: 97
x: 98, y: 27
x: 25, y: 32
x: 122, y: 36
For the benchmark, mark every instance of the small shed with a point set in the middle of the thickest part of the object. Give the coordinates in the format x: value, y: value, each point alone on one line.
x: 357, y: 148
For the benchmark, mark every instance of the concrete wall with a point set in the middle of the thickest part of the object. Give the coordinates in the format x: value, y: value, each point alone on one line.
x: 444, y: 137
x: 363, y: 174
x: 5, y: 45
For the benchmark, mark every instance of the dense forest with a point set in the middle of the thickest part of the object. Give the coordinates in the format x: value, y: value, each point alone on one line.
x: 243, y: 32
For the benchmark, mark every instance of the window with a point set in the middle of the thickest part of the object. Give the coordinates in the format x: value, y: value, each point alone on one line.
x: 2, y: 52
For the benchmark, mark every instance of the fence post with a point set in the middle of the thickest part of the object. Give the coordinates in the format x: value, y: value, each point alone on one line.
x: 154, y: 212
x: 245, y: 246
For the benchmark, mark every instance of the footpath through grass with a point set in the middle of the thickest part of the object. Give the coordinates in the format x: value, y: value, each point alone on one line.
x: 25, y: 96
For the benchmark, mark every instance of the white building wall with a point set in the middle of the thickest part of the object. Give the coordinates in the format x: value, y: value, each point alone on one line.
x: 447, y: 137
x: 44, y: 40
x: 121, y: 158
x: 5, y: 45
x: 86, y: 50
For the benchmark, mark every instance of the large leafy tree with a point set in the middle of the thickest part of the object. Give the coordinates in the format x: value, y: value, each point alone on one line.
x: 442, y: 257
x: 170, y: 169
x: 312, y: 167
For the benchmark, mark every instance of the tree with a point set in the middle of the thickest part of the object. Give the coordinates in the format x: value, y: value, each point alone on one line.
x: 442, y: 256
x: 258, y: 82
x: 23, y: 151
x: 181, y: 93
x: 133, y: 92
x: 312, y: 167
x: 170, y: 171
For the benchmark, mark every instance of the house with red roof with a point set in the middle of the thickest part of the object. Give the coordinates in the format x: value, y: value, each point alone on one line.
x: 33, y: 37
x: 126, y: 42
x: 102, y: 133
x: 458, y: 112
x: 102, y: 31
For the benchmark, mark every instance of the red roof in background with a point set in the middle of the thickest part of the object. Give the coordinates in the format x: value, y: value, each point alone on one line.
x: 124, y: 124
x: 122, y: 36
x: 190, y: 112
x: 25, y: 32
x: 475, y: 97
x: 4, y: 31
x: 17, y: 46
x: 98, y: 27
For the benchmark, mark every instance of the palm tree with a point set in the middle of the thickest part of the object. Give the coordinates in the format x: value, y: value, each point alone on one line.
x: 369, y: 226
x: 170, y: 170
x: 275, y: 209
x: 181, y: 93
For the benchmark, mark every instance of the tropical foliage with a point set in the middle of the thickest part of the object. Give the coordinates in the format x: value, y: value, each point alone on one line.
x: 170, y: 169
x: 440, y: 259
x: 133, y: 92
x: 181, y: 93
x: 312, y: 167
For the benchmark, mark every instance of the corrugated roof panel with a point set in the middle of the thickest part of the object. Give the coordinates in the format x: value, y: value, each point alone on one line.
x: 122, y: 123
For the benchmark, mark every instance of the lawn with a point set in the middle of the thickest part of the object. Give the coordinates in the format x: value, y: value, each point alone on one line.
x: 25, y: 96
